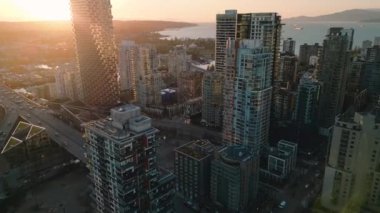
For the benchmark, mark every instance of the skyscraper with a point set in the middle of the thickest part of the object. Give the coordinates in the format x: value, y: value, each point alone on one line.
x: 121, y: 153
x: 288, y: 70
x: 212, y: 107
x: 306, y: 110
x: 96, y: 51
x: 252, y: 93
x: 352, y: 175
x: 139, y: 79
x: 289, y: 46
x: 306, y: 51
x: 365, y: 45
x: 370, y: 76
x: 376, y: 41
x: 264, y: 29
x: 335, y: 63
x: 212, y: 84
x: 128, y: 69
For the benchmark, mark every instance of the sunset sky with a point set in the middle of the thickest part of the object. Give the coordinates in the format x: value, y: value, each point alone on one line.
x: 177, y: 10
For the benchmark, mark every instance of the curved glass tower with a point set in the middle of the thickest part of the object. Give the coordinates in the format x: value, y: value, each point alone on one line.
x: 96, y: 51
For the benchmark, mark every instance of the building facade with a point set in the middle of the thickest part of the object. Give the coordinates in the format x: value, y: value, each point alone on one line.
x: 128, y: 69
x: 234, y: 179
x: 140, y: 80
x: 277, y: 163
x: 121, y: 153
x: 370, y: 76
x: 335, y: 64
x: 289, y: 46
x: 212, y: 96
x: 306, y: 51
x: 67, y: 82
x: 251, y: 94
x: 192, y: 168
x: 352, y: 174
x: 306, y: 111
x: 96, y: 51
x: 178, y: 61
x: 263, y: 27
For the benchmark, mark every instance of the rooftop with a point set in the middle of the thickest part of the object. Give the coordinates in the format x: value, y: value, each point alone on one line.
x: 105, y: 127
x: 236, y: 153
x: 197, y: 149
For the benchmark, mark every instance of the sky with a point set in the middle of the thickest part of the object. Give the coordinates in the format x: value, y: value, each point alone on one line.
x: 178, y: 10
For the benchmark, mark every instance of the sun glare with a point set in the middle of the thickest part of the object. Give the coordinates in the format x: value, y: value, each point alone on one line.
x: 43, y: 9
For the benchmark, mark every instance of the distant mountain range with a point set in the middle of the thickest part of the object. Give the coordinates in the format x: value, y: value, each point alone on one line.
x: 355, y: 15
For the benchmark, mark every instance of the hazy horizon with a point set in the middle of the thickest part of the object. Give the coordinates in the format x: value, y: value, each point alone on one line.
x: 197, y: 11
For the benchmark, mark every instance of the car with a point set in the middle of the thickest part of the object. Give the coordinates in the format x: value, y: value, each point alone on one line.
x: 282, y: 204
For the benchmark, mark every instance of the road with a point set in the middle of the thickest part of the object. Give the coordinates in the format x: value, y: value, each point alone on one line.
x: 187, y: 129
x: 17, y: 105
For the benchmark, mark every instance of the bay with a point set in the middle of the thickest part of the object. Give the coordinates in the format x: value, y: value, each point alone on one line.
x: 312, y: 32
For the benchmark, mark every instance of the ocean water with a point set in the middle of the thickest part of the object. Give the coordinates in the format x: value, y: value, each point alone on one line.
x: 312, y: 32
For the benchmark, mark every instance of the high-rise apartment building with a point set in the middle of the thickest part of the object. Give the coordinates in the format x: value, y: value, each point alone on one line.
x: 67, y: 82
x: 334, y: 67
x: 212, y: 96
x: 283, y: 105
x: 376, y: 41
x: 252, y: 93
x: 289, y: 46
x: 265, y: 27
x: 212, y: 107
x: 234, y: 178
x: 96, y: 51
x: 354, y: 77
x: 139, y: 79
x: 261, y: 28
x: 306, y: 111
x: 288, y: 70
x: 365, y: 45
x: 193, y: 170
x: 306, y: 51
x: 352, y: 175
x: 178, y: 61
x: 128, y: 68
x: 121, y: 153
x: 370, y: 76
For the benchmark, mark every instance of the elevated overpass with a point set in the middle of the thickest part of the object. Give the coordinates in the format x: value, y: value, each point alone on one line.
x: 16, y: 106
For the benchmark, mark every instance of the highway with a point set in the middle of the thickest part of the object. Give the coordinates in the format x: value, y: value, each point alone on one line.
x: 17, y: 105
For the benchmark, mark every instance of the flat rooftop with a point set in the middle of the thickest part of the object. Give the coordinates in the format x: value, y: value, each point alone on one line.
x: 197, y: 149
x: 236, y: 153
x: 105, y: 127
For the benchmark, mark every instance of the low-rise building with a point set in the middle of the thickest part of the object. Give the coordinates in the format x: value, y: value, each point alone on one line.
x: 277, y: 163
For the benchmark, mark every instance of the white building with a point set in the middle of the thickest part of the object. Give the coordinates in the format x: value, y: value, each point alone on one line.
x: 352, y: 175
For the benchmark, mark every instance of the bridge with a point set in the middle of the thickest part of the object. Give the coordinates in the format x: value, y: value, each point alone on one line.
x: 16, y: 106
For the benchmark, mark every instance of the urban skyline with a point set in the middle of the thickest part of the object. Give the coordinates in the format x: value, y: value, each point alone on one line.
x: 114, y: 118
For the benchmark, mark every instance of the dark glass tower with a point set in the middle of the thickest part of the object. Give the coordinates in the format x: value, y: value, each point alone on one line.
x: 335, y: 62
